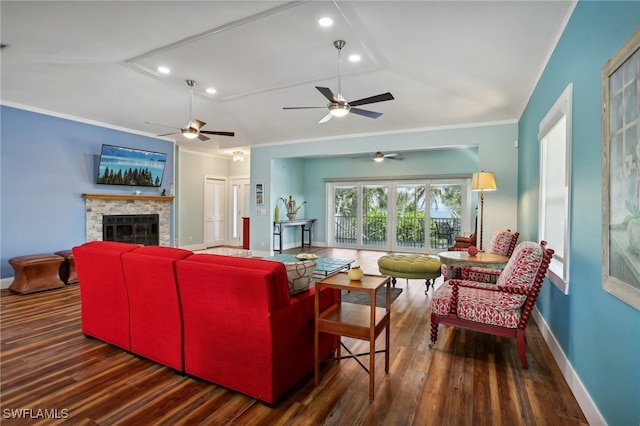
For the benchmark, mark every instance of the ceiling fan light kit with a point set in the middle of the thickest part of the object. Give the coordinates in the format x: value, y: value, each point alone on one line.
x: 339, y: 110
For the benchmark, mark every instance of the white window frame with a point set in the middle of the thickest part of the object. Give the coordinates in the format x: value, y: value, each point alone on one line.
x: 558, y: 272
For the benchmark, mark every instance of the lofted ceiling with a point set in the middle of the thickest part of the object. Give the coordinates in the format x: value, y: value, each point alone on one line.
x: 447, y: 63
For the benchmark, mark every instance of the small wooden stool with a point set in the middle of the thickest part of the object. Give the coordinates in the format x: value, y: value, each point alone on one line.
x: 68, y: 269
x: 36, y: 272
x: 413, y: 266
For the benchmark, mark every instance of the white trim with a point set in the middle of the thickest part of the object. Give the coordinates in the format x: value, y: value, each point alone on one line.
x: 589, y: 408
x: 6, y: 282
x: 562, y: 108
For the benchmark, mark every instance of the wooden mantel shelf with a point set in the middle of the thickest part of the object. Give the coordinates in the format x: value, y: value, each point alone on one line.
x: 129, y: 197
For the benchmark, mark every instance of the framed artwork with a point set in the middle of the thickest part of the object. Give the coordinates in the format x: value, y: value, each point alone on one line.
x: 259, y: 194
x: 621, y: 173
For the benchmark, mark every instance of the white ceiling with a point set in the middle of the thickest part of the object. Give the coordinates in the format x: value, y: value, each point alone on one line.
x: 447, y: 63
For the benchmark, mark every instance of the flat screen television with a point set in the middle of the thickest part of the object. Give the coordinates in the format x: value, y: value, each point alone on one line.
x: 129, y: 166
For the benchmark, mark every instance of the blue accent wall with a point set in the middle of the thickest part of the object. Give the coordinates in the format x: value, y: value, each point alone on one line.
x: 46, y: 164
x: 599, y: 333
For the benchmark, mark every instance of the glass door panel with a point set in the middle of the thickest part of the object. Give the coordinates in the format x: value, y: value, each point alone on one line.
x: 410, y: 216
x: 445, y: 213
x: 374, y: 215
x: 346, y: 227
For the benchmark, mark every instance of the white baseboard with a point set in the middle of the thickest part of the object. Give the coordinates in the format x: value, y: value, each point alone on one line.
x: 581, y: 394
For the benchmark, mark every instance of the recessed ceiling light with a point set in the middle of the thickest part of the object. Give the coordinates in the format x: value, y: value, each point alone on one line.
x: 164, y: 70
x: 211, y: 90
x: 325, y: 22
x: 354, y: 58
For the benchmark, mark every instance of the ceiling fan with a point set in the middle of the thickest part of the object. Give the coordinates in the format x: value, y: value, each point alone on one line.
x: 338, y: 106
x: 192, y: 129
x: 379, y: 157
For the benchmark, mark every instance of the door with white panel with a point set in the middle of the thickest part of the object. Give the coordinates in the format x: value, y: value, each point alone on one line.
x: 214, y: 211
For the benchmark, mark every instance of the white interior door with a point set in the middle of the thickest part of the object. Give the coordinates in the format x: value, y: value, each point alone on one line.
x: 214, y: 211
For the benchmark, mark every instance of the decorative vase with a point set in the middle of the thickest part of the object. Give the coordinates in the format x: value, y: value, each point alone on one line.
x: 633, y: 230
x: 292, y: 216
x: 355, y: 273
x: 276, y: 214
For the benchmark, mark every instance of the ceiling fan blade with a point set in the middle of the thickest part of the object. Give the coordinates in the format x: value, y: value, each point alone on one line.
x: 325, y: 118
x: 215, y: 132
x: 313, y: 107
x: 327, y: 94
x: 202, y: 137
x: 366, y: 113
x: 168, y: 134
x: 373, y: 99
x: 196, y: 124
x: 394, y: 157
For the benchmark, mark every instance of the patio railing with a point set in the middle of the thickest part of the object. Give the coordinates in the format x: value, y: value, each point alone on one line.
x: 410, y: 231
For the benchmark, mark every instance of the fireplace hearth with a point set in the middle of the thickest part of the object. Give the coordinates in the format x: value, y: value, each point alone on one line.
x: 131, y: 228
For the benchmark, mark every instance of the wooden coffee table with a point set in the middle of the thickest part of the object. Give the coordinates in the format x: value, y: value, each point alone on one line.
x: 364, y: 322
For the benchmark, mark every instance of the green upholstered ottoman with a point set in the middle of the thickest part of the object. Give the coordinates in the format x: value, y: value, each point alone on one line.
x: 410, y: 266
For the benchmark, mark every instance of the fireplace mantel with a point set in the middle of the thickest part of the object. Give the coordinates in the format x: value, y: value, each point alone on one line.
x: 167, y: 198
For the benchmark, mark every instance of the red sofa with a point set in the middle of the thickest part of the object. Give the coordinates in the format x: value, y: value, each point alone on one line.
x: 242, y: 329
x: 103, y: 297
x: 224, y: 319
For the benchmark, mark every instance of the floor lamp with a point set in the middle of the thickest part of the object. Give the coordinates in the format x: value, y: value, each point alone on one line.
x: 483, y: 181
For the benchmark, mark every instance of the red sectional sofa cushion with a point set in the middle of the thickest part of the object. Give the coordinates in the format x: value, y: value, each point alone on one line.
x: 103, y: 292
x: 239, y: 333
x: 279, y: 295
x: 155, y: 311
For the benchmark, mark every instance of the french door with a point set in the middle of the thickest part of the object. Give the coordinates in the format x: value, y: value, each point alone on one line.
x: 408, y: 216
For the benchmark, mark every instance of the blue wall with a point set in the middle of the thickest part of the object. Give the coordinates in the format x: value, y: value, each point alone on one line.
x: 599, y: 333
x: 46, y: 164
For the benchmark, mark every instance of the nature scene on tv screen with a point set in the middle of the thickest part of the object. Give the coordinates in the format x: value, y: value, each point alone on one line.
x: 128, y: 166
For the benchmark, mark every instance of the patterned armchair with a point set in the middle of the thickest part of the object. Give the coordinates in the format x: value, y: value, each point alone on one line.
x: 502, y: 242
x: 502, y: 309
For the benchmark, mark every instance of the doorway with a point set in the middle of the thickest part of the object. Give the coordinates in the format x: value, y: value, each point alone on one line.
x: 239, y: 193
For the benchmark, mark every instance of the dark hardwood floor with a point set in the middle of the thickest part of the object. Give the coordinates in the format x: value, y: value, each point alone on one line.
x: 467, y: 379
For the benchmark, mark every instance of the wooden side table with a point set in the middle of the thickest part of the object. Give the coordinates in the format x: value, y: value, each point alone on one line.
x: 364, y: 322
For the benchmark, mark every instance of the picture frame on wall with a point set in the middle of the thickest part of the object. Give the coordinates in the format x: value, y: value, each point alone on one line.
x: 621, y: 173
x: 259, y: 194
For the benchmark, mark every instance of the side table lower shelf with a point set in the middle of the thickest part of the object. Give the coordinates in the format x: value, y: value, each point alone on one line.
x: 364, y: 322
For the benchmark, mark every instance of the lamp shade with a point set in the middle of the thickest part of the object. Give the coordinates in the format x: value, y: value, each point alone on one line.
x: 483, y: 181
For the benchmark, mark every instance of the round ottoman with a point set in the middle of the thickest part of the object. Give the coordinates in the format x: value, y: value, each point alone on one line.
x: 410, y: 266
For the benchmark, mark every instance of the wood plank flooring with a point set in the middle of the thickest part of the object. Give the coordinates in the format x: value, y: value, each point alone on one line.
x: 467, y: 379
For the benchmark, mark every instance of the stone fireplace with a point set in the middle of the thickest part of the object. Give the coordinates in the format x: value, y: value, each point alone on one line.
x: 100, y: 205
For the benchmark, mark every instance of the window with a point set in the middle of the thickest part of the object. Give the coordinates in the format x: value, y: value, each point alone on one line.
x: 555, y: 186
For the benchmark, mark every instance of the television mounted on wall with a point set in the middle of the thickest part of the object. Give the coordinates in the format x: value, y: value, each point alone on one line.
x: 129, y: 166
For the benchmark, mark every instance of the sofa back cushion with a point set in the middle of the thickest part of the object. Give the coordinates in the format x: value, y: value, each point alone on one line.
x: 103, y: 291
x: 278, y: 290
x: 155, y: 312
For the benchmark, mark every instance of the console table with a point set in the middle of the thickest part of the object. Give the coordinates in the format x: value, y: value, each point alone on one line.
x: 304, y: 224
